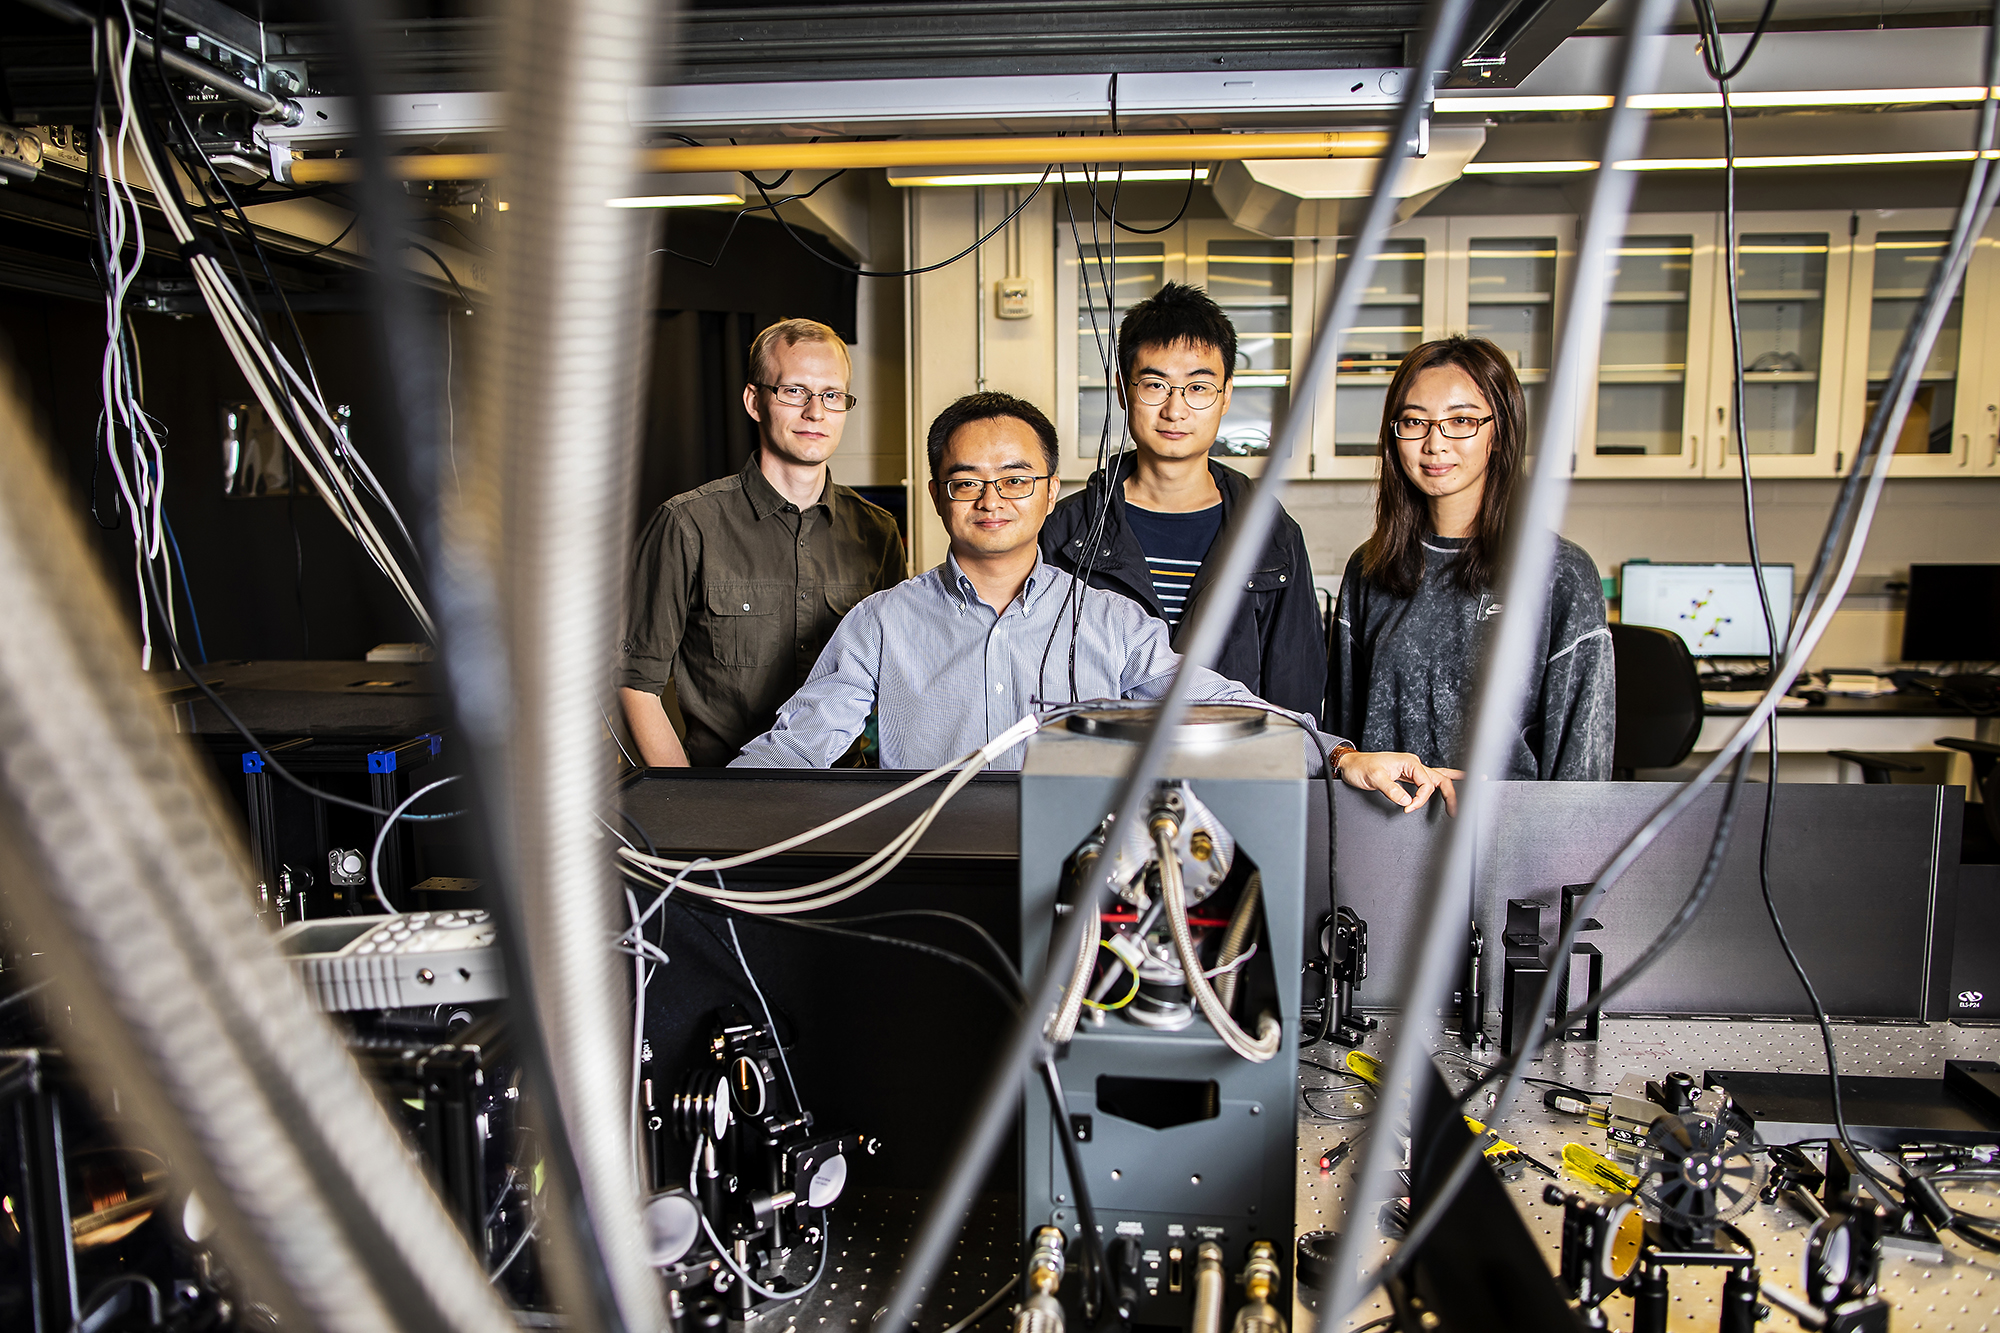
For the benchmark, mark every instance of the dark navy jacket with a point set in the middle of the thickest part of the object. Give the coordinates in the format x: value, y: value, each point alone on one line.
x: 1276, y: 648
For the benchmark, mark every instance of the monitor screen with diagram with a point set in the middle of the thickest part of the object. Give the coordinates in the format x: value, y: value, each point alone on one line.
x: 1714, y: 608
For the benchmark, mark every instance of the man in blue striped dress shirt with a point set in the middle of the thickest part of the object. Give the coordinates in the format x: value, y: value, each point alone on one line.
x: 955, y: 656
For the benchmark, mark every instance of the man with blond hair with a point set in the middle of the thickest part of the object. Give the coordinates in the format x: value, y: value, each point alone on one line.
x: 739, y: 584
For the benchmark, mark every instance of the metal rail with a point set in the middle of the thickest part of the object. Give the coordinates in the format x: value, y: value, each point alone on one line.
x: 1035, y: 150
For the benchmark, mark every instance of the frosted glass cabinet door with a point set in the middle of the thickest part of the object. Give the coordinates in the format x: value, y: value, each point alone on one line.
x: 1401, y: 306
x: 1255, y: 279
x: 1502, y: 278
x: 1096, y: 285
x: 1252, y: 278
x: 1792, y: 287
x: 1645, y: 414
x: 1951, y: 417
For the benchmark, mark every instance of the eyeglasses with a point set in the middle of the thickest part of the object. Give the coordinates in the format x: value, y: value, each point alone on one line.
x: 1199, y: 395
x: 798, y: 395
x: 1013, y: 486
x: 1452, y: 428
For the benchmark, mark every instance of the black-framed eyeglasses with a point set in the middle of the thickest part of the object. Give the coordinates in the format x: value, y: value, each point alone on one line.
x: 1013, y: 486
x: 798, y: 395
x: 1200, y: 395
x: 1452, y: 428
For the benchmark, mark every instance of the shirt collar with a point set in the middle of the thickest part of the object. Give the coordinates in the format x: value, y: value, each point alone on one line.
x: 959, y: 588
x: 764, y: 497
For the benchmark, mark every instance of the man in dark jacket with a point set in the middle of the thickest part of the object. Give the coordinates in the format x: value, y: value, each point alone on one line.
x: 1150, y: 531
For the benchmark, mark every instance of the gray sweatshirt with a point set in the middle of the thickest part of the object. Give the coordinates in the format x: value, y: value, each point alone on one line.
x: 1406, y: 668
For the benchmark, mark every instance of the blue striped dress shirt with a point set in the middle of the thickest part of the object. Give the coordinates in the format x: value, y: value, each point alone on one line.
x: 944, y: 674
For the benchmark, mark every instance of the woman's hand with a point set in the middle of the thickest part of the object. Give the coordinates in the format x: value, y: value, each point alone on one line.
x: 1386, y: 771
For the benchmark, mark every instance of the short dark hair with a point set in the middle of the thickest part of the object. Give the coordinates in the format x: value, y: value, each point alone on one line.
x: 1177, y: 313
x: 985, y: 407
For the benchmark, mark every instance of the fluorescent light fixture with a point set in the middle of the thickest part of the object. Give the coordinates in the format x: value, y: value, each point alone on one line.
x: 1821, y: 97
x: 1470, y: 106
x: 1711, y: 100
x: 1108, y: 172
x: 693, y: 189
x: 1527, y: 168
x: 1804, y: 160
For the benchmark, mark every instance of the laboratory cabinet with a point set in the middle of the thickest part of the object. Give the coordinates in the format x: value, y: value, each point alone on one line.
x: 1496, y: 277
x: 1254, y: 278
x: 1646, y: 409
x: 1824, y: 296
x: 1953, y: 427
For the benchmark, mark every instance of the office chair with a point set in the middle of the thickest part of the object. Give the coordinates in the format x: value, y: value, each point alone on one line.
x: 1658, y: 712
x: 1980, y: 843
x: 1986, y: 777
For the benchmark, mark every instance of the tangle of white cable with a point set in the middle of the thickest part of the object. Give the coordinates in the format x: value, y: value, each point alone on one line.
x: 267, y: 371
x: 382, y: 836
x: 837, y: 888
x: 144, y: 487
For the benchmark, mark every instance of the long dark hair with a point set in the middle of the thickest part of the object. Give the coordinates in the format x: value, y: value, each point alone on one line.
x: 1393, y: 557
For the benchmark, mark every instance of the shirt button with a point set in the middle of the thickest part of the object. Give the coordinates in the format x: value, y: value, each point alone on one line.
x: 746, y: 606
x: 1281, y: 578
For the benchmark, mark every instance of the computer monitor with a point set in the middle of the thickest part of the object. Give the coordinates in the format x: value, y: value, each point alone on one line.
x: 1714, y: 608
x: 1953, y: 614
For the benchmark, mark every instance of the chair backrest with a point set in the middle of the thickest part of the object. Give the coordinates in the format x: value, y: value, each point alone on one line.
x: 1659, y: 698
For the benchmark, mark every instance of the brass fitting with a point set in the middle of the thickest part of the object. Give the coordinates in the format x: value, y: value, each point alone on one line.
x: 1260, y: 1272
x: 1260, y: 1279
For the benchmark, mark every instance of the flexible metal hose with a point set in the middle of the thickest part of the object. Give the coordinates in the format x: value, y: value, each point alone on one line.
x: 126, y: 871
x: 1238, y: 935
x: 1208, y: 1289
x: 1270, y: 1035
x: 1062, y: 1027
x: 548, y: 508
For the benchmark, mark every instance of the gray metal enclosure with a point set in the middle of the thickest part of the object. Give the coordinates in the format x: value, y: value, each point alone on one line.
x: 1226, y: 1177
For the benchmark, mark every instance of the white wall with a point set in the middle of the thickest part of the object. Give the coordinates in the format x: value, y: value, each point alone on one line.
x: 948, y: 309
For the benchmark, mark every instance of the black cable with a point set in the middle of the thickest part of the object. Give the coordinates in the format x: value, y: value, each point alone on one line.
x: 449, y: 276
x: 1194, y: 169
x: 1711, y: 45
x: 770, y: 206
x: 1713, y: 61
x: 322, y: 249
x: 861, y: 272
x: 1097, y: 1293
x: 1010, y: 1000
x: 1007, y: 968
x: 639, y: 829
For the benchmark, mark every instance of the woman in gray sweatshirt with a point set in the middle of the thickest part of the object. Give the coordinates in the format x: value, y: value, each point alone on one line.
x: 1418, y: 596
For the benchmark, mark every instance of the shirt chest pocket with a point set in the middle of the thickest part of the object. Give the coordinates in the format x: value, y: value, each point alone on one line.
x: 745, y: 624
x: 841, y: 597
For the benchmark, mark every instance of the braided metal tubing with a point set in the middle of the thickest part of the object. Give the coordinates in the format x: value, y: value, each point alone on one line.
x: 547, y: 511
x: 1243, y: 541
x: 126, y: 869
x: 1497, y: 707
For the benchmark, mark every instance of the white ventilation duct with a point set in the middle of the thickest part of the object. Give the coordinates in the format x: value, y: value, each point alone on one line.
x: 1302, y: 198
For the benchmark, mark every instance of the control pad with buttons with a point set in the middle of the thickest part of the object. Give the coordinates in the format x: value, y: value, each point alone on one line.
x: 396, y: 962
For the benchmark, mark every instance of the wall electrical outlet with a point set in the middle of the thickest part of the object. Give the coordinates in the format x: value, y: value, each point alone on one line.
x: 1014, y: 298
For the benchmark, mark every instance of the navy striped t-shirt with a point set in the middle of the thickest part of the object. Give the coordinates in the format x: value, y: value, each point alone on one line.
x: 1175, y: 545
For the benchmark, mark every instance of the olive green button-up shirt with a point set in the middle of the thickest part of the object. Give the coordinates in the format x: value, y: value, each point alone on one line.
x: 736, y: 592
